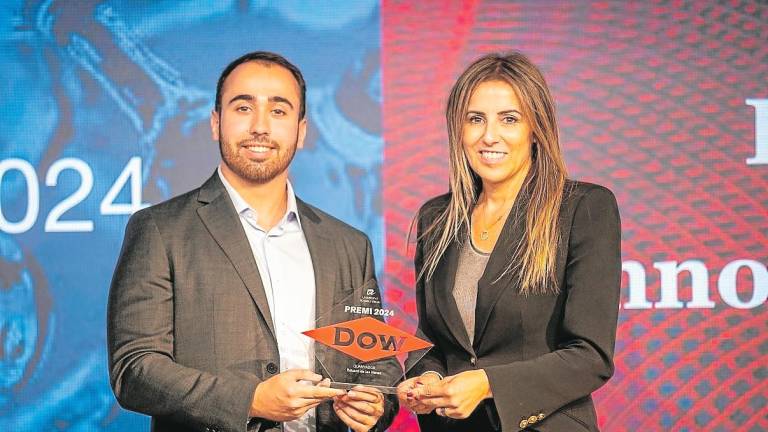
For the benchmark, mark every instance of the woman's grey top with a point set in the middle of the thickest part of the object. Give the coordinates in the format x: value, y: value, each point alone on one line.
x: 470, y: 268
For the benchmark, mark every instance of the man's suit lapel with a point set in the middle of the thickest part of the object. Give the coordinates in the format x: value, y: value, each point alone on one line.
x: 325, y: 263
x: 220, y: 218
x: 324, y: 258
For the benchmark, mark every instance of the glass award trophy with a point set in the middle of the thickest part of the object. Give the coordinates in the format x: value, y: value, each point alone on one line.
x: 359, y: 341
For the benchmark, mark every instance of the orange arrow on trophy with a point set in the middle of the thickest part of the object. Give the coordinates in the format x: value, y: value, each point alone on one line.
x: 367, y: 339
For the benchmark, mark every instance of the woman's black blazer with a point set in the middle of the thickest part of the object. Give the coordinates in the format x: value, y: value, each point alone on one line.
x: 544, y: 354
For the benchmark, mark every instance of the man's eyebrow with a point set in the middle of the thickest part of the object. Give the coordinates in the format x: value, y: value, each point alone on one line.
x: 273, y: 99
x: 281, y: 99
x: 245, y: 97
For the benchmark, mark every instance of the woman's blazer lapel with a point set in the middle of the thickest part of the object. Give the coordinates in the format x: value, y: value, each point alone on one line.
x: 491, y: 285
x: 494, y: 283
x: 443, y: 280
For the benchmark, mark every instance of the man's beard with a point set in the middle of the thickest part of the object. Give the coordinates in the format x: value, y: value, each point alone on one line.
x: 252, y: 171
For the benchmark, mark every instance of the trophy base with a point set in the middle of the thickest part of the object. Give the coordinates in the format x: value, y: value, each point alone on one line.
x: 350, y: 386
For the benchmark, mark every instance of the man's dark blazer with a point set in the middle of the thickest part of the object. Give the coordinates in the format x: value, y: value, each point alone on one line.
x: 544, y: 354
x: 190, y: 334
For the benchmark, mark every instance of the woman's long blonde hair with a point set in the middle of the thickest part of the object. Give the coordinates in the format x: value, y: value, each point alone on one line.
x: 535, y: 256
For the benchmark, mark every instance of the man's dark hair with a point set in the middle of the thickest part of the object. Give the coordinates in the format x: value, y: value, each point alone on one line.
x: 264, y: 57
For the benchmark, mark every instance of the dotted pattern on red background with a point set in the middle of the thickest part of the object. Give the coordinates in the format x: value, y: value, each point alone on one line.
x: 651, y: 103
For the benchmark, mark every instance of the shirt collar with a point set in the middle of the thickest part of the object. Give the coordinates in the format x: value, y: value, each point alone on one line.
x: 241, y: 206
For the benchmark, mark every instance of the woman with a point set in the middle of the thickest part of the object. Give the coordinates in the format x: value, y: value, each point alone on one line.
x: 518, y: 268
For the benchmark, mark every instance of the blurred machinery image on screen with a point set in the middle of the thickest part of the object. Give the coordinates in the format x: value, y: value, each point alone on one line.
x: 108, y: 112
x: 106, y: 107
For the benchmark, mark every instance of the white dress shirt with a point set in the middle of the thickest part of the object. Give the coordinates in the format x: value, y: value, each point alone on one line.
x: 285, y: 266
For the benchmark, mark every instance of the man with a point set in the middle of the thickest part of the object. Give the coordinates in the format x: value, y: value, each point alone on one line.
x: 213, y: 287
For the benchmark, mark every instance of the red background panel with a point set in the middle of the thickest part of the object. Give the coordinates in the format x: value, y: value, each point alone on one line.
x: 651, y: 103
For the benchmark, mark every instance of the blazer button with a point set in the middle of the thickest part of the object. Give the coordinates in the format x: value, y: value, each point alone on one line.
x: 271, y: 368
x: 473, y: 360
x: 523, y: 424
